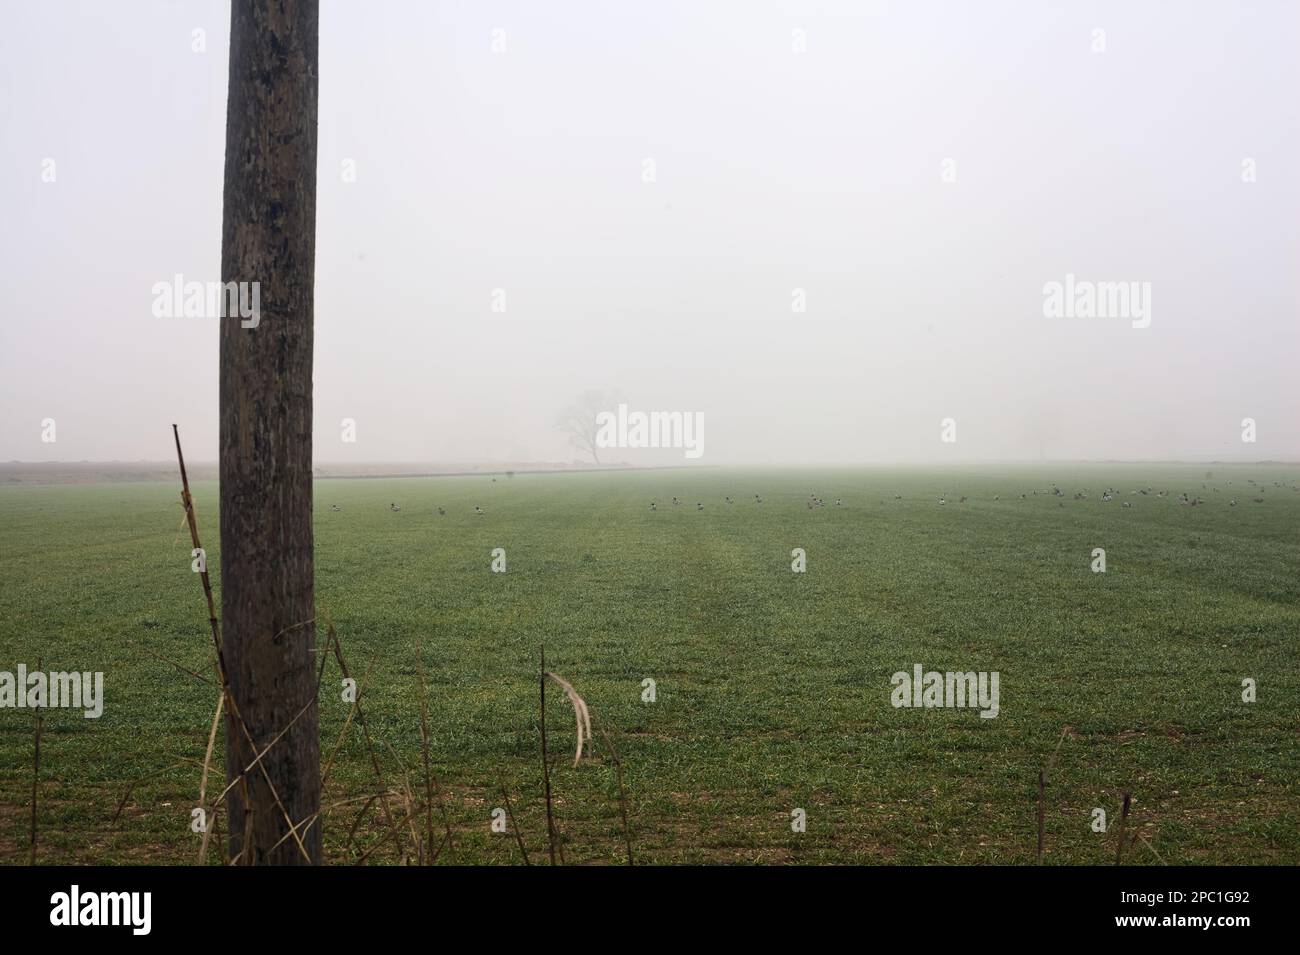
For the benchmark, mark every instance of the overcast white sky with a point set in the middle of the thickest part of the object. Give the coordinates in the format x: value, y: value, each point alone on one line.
x: 775, y: 170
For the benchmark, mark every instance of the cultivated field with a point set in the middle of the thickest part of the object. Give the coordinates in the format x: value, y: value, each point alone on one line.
x: 773, y: 688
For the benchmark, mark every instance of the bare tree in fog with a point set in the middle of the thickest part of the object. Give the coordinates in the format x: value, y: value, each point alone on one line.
x: 578, y: 420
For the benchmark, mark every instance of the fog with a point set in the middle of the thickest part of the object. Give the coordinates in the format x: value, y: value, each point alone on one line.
x: 650, y: 192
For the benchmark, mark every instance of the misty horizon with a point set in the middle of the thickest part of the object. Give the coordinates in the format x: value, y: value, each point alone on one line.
x: 826, y: 230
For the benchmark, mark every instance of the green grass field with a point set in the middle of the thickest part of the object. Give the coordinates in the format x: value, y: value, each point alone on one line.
x: 773, y: 688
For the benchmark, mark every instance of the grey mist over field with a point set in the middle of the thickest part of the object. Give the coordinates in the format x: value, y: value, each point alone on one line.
x: 520, y: 203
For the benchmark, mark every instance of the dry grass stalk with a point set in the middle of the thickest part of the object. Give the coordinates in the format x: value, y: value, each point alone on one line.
x: 352, y: 710
x: 1147, y: 842
x: 546, y: 767
x: 36, y: 766
x: 247, y: 841
x: 514, y: 824
x: 356, y: 823
x: 338, y: 743
x: 370, y: 746
x: 203, y: 782
x: 130, y: 787
x: 580, y: 714
x: 216, y: 835
x: 183, y: 669
x: 1123, y: 821
x: 403, y: 857
x: 188, y: 503
x: 622, y: 794
x: 321, y: 813
x: 1042, y: 786
x: 412, y: 807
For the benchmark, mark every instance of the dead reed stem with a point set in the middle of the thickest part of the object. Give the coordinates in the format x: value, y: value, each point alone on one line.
x: 370, y: 746
x: 514, y: 824
x: 188, y: 502
x: 183, y: 669
x: 622, y: 795
x: 412, y: 807
x: 1123, y: 822
x: 36, y: 764
x: 130, y: 788
x: 203, y: 782
x: 546, y: 769
x: 1042, y: 786
x: 338, y: 743
x: 357, y: 821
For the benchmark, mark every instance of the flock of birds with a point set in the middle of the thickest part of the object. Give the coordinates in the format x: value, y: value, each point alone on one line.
x: 395, y: 507
x: 813, y: 501
x: 1109, y: 494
